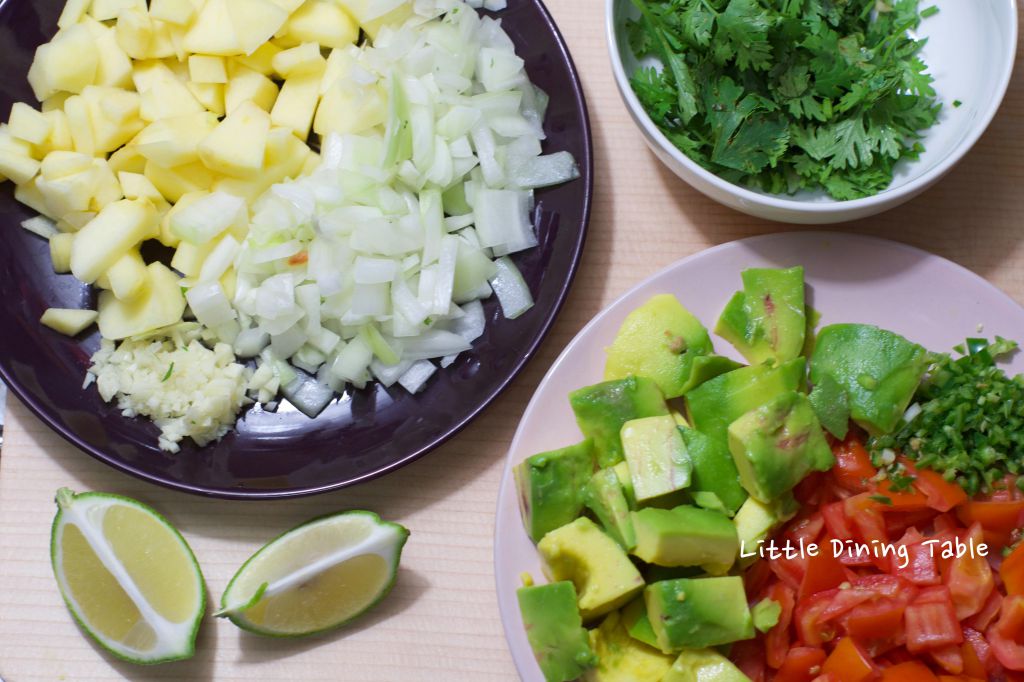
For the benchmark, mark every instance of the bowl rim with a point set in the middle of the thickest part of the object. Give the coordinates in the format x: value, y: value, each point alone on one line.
x: 586, y: 165
x: 830, y: 205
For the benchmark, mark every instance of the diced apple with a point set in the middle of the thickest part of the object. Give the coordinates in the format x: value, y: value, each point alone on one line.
x: 188, y: 258
x: 108, y: 189
x: 68, y: 321
x: 80, y: 124
x: 372, y: 25
x: 138, y: 186
x: 311, y: 164
x: 73, y: 222
x: 69, y: 192
x: 237, y: 144
x: 127, y: 159
x: 59, y: 164
x: 296, y: 104
x: 134, y: 32
x: 28, y: 124
x: 146, y: 72
x: 346, y: 108
x: 17, y: 166
x: 288, y: 6
x: 114, y: 115
x: 60, y: 252
x: 28, y: 193
x: 59, y: 138
x: 207, y: 69
x: 73, y: 12
x: 127, y: 276
x: 114, y: 67
x: 212, y: 32
x: 104, y: 10
x: 174, y: 182
x: 322, y: 22
x: 167, y: 98
x: 305, y: 58
x: 116, y: 229
x: 167, y: 236
x: 261, y: 60
x: 246, y: 85
x: 160, y: 304
x: 167, y: 41
x: 339, y: 65
x: 254, y: 22
x: 55, y: 101
x: 178, y: 12
x: 68, y: 63
x: 210, y: 95
x: 172, y: 142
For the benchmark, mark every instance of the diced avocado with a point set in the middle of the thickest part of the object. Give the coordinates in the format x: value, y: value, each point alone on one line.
x: 634, y: 617
x: 603, y: 408
x: 756, y: 519
x: 606, y: 498
x: 604, y: 576
x: 714, y: 472
x: 693, y: 613
x: 707, y: 367
x: 704, y: 665
x: 555, y: 630
x: 659, y: 340
x: 879, y: 370
x: 766, y: 614
x: 656, y: 456
x: 623, y: 658
x: 831, y: 405
x: 776, y: 445
x: 767, y: 320
x: 551, y: 487
x: 626, y: 481
x: 709, y: 500
x: 722, y: 400
x: 684, y: 536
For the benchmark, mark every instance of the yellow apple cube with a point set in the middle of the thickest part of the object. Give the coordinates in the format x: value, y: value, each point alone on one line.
x: 80, y: 124
x: 60, y: 252
x: 246, y: 85
x: 60, y: 164
x: 68, y: 193
x: 17, y: 166
x: 296, y: 104
x: 237, y: 144
x: 68, y: 321
x: 104, y: 10
x: 55, y: 101
x: 172, y: 142
x: 116, y: 229
x: 322, y: 22
x: 73, y: 12
x: 159, y: 304
x: 68, y: 63
x: 73, y: 222
x: 339, y: 65
x: 28, y: 124
x: 138, y: 186
x: 167, y: 98
x: 28, y: 193
x: 211, y: 31
x: 167, y: 236
x: 59, y: 138
x: 127, y: 276
x: 134, y: 31
x: 127, y: 159
x: 347, y: 108
x: 114, y: 66
x: 305, y: 58
x: 175, y: 182
x: 261, y: 60
x: 254, y: 22
x: 178, y: 12
x: 188, y: 258
x: 207, y: 69
x: 108, y: 189
x: 210, y: 95
x: 288, y: 6
x: 114, y: 115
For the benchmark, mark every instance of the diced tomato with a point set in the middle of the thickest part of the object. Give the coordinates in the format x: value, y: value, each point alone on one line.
x: 866, y: 517
x: 823, y: 571
x: 865, y: 589
x: 828, y: 677
x: 849, y: 662
x: 812, y: 490
x: 920, y: 567
x: 853, y: 469
x: 801, y: 665
x: 880, y: 620
x: 911, y: 671
x: 998, y: 519
x: 757, y: 576
x: 789, y: 571
x: 1006, y: 637
x: 906, y: 500
x: 969, y: 578
x: 806, y: 528
x: 299, y: 258
x: 1006, y: 490
x: 1012, y: 571
x: 942, y: 495
x: 836, y: 522
x: 811, y: 627
x: 982, y: 619
x: 950, y: 658
x: 978, y: 658
x: 748, y: 655
x: 777, y: 640
x: 931, y: 621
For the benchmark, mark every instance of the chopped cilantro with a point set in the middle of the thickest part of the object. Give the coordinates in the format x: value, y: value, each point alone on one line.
x: 785, y: 95
x: 167, y: 376
x: 957, y: 104
x: 881, y: 499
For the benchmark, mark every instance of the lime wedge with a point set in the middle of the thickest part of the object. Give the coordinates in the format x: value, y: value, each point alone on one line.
x: 318, y: 576
x: 128, y: 577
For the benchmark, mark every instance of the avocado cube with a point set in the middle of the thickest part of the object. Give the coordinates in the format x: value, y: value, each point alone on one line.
x: 766, y: 321
x: 623, y: 658
x: 606, y: 498
x: 553, y: 626
x: 684, y: 536
x: 693, y: 613
x: 551, y: 487
x: 656, y: 456
x: 603, y: 408
x: 604, y: 577
x: 659, y: 340
x: 622, y: 473
x: 704, y: 665
x: 879, y: 370
x: 832, y: 406
x: 706, y: 368
x: 638, y: 625
x: 756, y: 519
x: 716, y: 481
x: 777, y: 444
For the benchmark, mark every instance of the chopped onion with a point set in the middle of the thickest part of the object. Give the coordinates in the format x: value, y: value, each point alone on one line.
x: 416, y: 376
x: 209, y: 304
x: 511, y: 289
x: 308, y: 395
x: 206, y: 217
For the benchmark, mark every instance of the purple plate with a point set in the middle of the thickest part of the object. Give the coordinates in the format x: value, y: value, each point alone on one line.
x: 362, y: 434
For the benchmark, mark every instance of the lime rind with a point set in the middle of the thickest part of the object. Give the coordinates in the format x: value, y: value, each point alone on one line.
x: 66, y: 499
x: 391, y: 553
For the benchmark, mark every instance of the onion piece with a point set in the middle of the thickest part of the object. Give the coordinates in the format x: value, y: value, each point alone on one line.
x: 511, y: 289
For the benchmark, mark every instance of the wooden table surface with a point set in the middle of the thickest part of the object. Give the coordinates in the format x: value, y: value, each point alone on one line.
x: 441, y: 622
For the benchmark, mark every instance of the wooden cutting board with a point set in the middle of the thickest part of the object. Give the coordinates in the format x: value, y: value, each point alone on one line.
x: 441, y: 622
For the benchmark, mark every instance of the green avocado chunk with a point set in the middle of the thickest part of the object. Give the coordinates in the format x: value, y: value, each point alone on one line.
x: 605, y: 497
x: 603, y: 408
x: 626, y: 481
x: 622, y: 658
x: 656, y: 455
x: 604, y: 576
x: 716, y: 482
x: 693, y: 613
x: 878, y: 370
x: 831, y: 405
x: 684, y: 536
x: 756, y: 519
x: 634, y: 618
x: 706, y: 368
x: 555, y: 630
x: 659, y: 340
x: 551, y: 487
x: 767, y: 320
x: 704, y: 665
x: 776, y: 445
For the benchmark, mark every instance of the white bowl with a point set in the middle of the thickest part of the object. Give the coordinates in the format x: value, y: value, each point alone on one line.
x: 970, y: 52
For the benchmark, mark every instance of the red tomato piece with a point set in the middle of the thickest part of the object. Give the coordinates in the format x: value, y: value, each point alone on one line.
x: 777, y: 640
x: 828, y: 677
x: 969, y: 578
x: 998, y: 519
x: 950, y: 658
x: 978, y: 658
x: 789, y: 571
x: 807, y: 528
x: 748, y: 655
x: 868, y: 524
x: 849, y: 662
x: 836, y: 522
x: 982, y: 619
x: 853, y: 469
x: 911, y: 671
x: 879, y: 622
x: 920, y: 567
x: 812, y: 628
x: 866, y: 589
x: 931, y: 621
x: 802, y: 664
x: 1006, y: 637
x: 823, y: 572
x: 1012, y: 571
x: 942, y: 495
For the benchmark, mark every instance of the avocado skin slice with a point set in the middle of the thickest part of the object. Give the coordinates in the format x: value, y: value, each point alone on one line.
x: 767, y: 321
x: 693, y: 613
x: 551, y: 487
x: 602, y: 409
x: 604, y: 495
x: 776, y: 445
x: 878, y: 369
x: 555, y: 630
x: 659, y: 340
x: 704, y: 665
